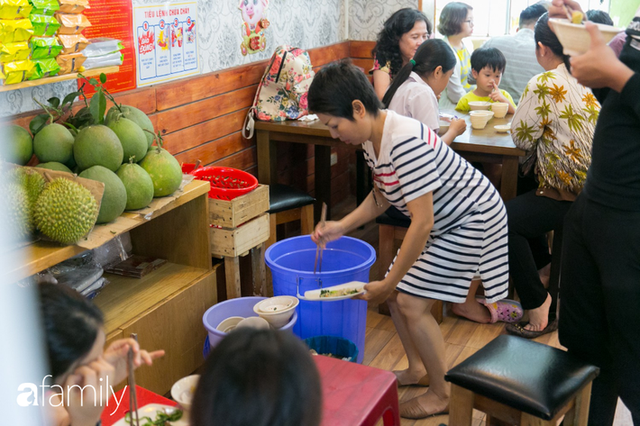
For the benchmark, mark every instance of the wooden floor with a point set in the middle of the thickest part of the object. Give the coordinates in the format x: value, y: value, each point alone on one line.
x: 462, y: 338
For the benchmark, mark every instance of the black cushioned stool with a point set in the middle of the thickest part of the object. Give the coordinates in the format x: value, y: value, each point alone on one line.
x: 287, y: 204
x: 521, y: 382
x: 392, y: 227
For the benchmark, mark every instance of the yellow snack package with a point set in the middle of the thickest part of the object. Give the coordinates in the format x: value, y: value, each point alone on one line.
x: 17, y: 72
x: 44, y: 7
x: 73, y: 6
x: 14, y: 9
x: 11, y: 52
x: 70, y: 63
x: 72, y: 24
x: 73, y: 43
x: 13, y: 31
x: 44, y: 26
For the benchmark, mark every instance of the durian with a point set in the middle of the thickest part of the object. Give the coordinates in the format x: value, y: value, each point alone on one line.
x: 31, y: 181
x: 65, y: 211
x: 17, y: 211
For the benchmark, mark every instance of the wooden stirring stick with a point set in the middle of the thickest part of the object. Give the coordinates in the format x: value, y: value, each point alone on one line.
x: 323, y: 217
x: 133, y: 399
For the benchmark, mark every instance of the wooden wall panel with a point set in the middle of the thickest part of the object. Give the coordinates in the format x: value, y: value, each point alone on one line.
x: 203, y: 133
x: 144, y: 99
x: 213, y: 151
x: 361, y: 49
x: 207, y: 109
x: 327, y: 54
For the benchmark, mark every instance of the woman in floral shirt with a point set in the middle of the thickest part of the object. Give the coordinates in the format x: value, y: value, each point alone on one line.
x: 554, y: 124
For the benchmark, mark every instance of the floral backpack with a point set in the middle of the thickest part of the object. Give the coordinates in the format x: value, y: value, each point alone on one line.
x: 282, y: 92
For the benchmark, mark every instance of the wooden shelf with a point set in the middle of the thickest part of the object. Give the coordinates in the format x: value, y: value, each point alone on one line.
x: 42, y: 255
x: 55, y: 79
x: 125, y: 299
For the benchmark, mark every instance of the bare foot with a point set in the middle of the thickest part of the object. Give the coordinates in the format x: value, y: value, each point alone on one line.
x: 425, y: 405
x: 408, y: 378
x: 545, y: 274
x: 472, y: 310
x: 539, y: 317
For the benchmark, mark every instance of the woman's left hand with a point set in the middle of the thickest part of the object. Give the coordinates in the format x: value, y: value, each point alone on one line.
x: 376, y: 291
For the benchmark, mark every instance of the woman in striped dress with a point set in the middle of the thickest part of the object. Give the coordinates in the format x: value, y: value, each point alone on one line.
x: 458, y: 222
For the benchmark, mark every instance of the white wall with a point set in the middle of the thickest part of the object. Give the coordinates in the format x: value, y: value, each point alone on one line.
x: 366, y: 17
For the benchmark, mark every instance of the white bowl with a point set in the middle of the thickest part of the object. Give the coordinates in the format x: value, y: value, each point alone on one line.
x: 229, y: 324
x: 443, y: 127
x: 253, y: 322
x: 277, y: 310
x: 183, y: 390
x: 502, y: 128
x: 479, y: 105
x: 575, y: 38
x: 499, y: 109
x: 485, y: 114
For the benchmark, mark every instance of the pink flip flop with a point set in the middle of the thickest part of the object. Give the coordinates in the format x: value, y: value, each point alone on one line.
x: 505, y: 310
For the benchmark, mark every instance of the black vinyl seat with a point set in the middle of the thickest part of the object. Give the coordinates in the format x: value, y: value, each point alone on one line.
x: 284, y: 197
x: 526, y: 375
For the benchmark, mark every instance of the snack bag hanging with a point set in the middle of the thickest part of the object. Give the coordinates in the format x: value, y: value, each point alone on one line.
x: 282, y: 92
x: 14, y: 9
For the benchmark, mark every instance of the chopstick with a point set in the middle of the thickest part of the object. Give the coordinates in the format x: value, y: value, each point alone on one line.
x: 133, y: 398
x: 323, y: 218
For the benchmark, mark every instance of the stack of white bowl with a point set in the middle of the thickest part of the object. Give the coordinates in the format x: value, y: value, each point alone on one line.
x: 480, y: 118
x: 278, y: 310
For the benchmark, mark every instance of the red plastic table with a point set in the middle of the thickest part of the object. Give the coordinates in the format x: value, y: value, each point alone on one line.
x: 144, y: 397
x: 357, y: 395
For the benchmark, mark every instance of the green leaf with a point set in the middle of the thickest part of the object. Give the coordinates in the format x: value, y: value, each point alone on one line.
x: 37, y: 123
x: 103, y: 78
x: 70, y: 98
x: 54, y: 102
x: 98, y: 106
x: 93, y: 82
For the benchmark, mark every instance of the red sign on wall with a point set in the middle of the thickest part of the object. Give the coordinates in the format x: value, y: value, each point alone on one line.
x: 114, y: 19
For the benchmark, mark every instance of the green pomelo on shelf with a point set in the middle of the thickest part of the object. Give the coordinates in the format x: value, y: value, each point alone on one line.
x: 138, y: 185
x: 165, y: 171
x: 19, y: 148
x: 65, y: 211
x: 114, y: 199
x: 52, y: 165
x: 132, y: 138
x: 53, y: 143
x: 137, y: 116
x: 97, y: 145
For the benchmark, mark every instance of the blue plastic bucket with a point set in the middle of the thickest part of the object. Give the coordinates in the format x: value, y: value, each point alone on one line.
x: 240, y: 307
x: 348, y: 259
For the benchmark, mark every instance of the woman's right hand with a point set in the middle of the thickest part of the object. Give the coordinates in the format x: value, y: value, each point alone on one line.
x: 458, y: 126
x: 557, y: 8
x: 83, y: 406
x: 330, y: 231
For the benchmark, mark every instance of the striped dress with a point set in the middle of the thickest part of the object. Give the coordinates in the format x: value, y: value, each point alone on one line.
x: 469, y: 235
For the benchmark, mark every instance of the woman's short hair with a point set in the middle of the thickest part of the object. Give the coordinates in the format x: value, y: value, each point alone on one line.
x: 71, y: 324
x: 599, y: 17
x: 258, y: 378
x: 336, y: 86
x: 401, y: 22
x: 452, y: 17
x: 543, y: 34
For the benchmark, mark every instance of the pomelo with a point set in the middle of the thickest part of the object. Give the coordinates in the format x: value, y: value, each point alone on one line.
x: 53, y: 143
x: 138, y: 185
x: 165, y: 171
x: 134, y: 114
x: 97, y: 145
x: 114, y: 199
x: 19, y: 148
x: 132, y: 138
x: 52, y: 165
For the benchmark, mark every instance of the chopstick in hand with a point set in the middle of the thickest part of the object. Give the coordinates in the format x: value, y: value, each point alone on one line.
x: 133, y: 399
x: 323, y: 217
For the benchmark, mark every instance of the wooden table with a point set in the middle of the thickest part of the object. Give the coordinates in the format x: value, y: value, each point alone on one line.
x: 356, y: 395
x: 485, y: 145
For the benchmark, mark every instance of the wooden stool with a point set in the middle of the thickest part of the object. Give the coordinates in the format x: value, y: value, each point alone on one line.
x: 392, y: 227
x: 521, y: 382
x: 287, y: 204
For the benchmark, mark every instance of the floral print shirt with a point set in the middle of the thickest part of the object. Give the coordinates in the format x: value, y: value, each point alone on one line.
x: 554, y: 123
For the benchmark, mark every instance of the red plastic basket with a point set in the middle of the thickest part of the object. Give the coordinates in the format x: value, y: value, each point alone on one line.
x: 226, y: 183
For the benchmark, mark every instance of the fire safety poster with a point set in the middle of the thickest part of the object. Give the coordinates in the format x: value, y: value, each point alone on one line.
x: 166, y: 41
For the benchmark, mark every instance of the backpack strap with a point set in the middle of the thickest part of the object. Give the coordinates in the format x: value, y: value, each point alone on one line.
x: 249, y: 120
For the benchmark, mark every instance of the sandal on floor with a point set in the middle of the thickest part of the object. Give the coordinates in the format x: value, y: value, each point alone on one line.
x: 424, y: 380
x: 519, y: 329
x: 505, y: 310
x: 413, y: 410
